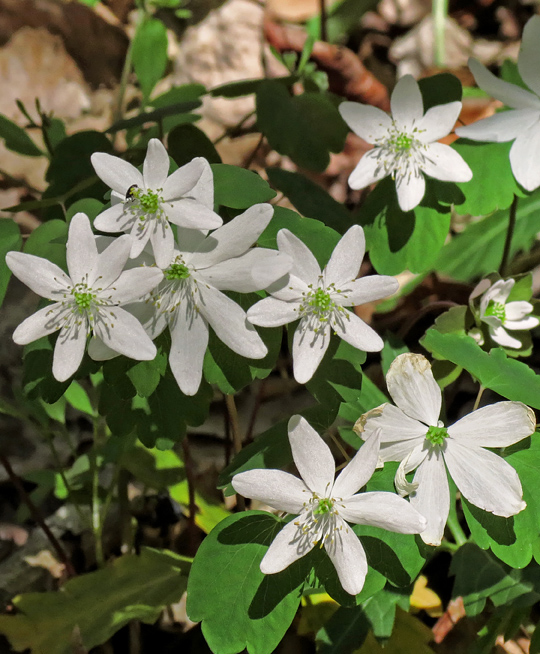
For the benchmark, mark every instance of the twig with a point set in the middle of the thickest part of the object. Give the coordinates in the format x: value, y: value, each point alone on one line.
x: 324, y: 28
x: 509, y: 233
x: 16, y: 481
x: 237, y: 438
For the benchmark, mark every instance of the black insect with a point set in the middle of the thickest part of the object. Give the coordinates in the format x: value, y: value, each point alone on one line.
x: 131, y: 192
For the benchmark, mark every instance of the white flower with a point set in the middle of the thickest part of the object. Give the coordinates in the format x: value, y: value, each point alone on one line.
x: 190, y: 297
x: 522, y: 123
x: 405, y: 143
x: 86, y: 300
x: 318, y: 300
x: 501, y: 315
x: 144, y: 204
x: 325, y: 506
x: 413, y: 434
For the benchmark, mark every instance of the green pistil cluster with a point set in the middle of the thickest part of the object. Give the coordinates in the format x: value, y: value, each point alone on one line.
x: 325, y: 505
x: 497, y: 310
x: 147, y: 202
x: 436, y: 435
x: 83, y: 300
x: 403, y: 142
x: 177, y: 271
x: 319, y: 303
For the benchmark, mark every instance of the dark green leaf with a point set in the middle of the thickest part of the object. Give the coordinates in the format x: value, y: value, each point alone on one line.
x: 239, y: 188
x: 310, y: 199
x: 17, y: 140
x: 440, y: 89
x: 187, y: 142
x: 246, y: 87
x: 49, y: 241
x: 179, y: 109
x: 10, y: 239
x: 247, y: 609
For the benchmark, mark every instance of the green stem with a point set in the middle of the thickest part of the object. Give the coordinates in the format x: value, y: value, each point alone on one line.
x: 440, y: 11
x: 97, y: 526
x: 456, y: 530
x: 478, y: 397
x: 237, y: 438
x: 323, y: 17
x: 503, y: 268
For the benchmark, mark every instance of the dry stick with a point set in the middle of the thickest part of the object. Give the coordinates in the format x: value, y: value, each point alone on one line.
x: 324, y: 31
x: 16, y: 481
x: 509, y: 234
x: 237, y: 439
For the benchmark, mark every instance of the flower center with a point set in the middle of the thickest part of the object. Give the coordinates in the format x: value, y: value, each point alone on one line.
x: 436, y: 435
x: 84, y: 298
x: 144, y: 204
x: 177, y: 271
x: 401, y: 153
x: 325, y: 506
x: 497, y: 310
x: 319, y: 306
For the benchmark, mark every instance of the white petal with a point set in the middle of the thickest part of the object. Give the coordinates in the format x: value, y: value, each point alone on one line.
x: 432, y: 498
x: 190, y: 240
x: 309, y: 348
x: 40, y: 275
x: 410, y: 189
x: 112, y: 260
x: 312, y: 456
x: 517, y: 310
x: 501, y: 127
x: 510, y: 94
x: 114, y: 219
x: 305, y: 266
x: 291, y: 289
x: 359, y: 470
x: 438, y: 122
x: 156, y: 165
x: 162, y: 239
x: 134, y: 284
x: 229, y: 322
x: 191, y: 213
x: 140, y: 235
x: 124, y: 334
x: 406, y: 102
x: 525, y: 323
x: 499, y: 292
x: 369, y: 289
x: 485, y: 479
x: 496, y: 425
x: 237, y: 236
x: 189, y: 340
x: 368, y: 122
x: 183, y: 180
x: 384, y: 510
x: 69, y: 348
x: 528, y: 60
x: 203, y: 191
x: 273, y: 313
x: 413, y: 388
x: 347, y: 554
x: 397, y: 428
x: 42, y: 323
x: 409, y: 463
x: 287, y: 547
x: 354, y: 331
x: 368, y: 170
x: 98, y: 351
x: 444, y: 163
x: 253, y: 271
x: 502, y: 337
x: 116, y: 173
x: 81, y: 250
x: 524, y: 158
x: 344, y: 264
x: 276, y: 488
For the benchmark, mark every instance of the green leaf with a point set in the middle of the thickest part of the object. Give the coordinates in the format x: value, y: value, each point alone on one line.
x: 187, y: 142
x: 512, y: 539
x: 303, y: 127
x: 90, y: 206
x: 310, y: 199
x: 246, y: 609
x: 49, y: 241
x: 78, y: 398
x: 145, y: 375
x: 161, y: 114
x: 239, y: 188
x: 478, y: 250
x: 343, y: 17
x: 393, y: 347
x: 56, y: 131
x: 399, y: 240
x: 149, y: 54
x: 508, y: 377
x: 440, y: 89
x: 479, y: 577
x: 98, y: 603
x: 321, y: 240
x: 489, y: 162
x: 10, y: 239
x: 247, y: 87
x: 345, y: 632
x: 17, y: 140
